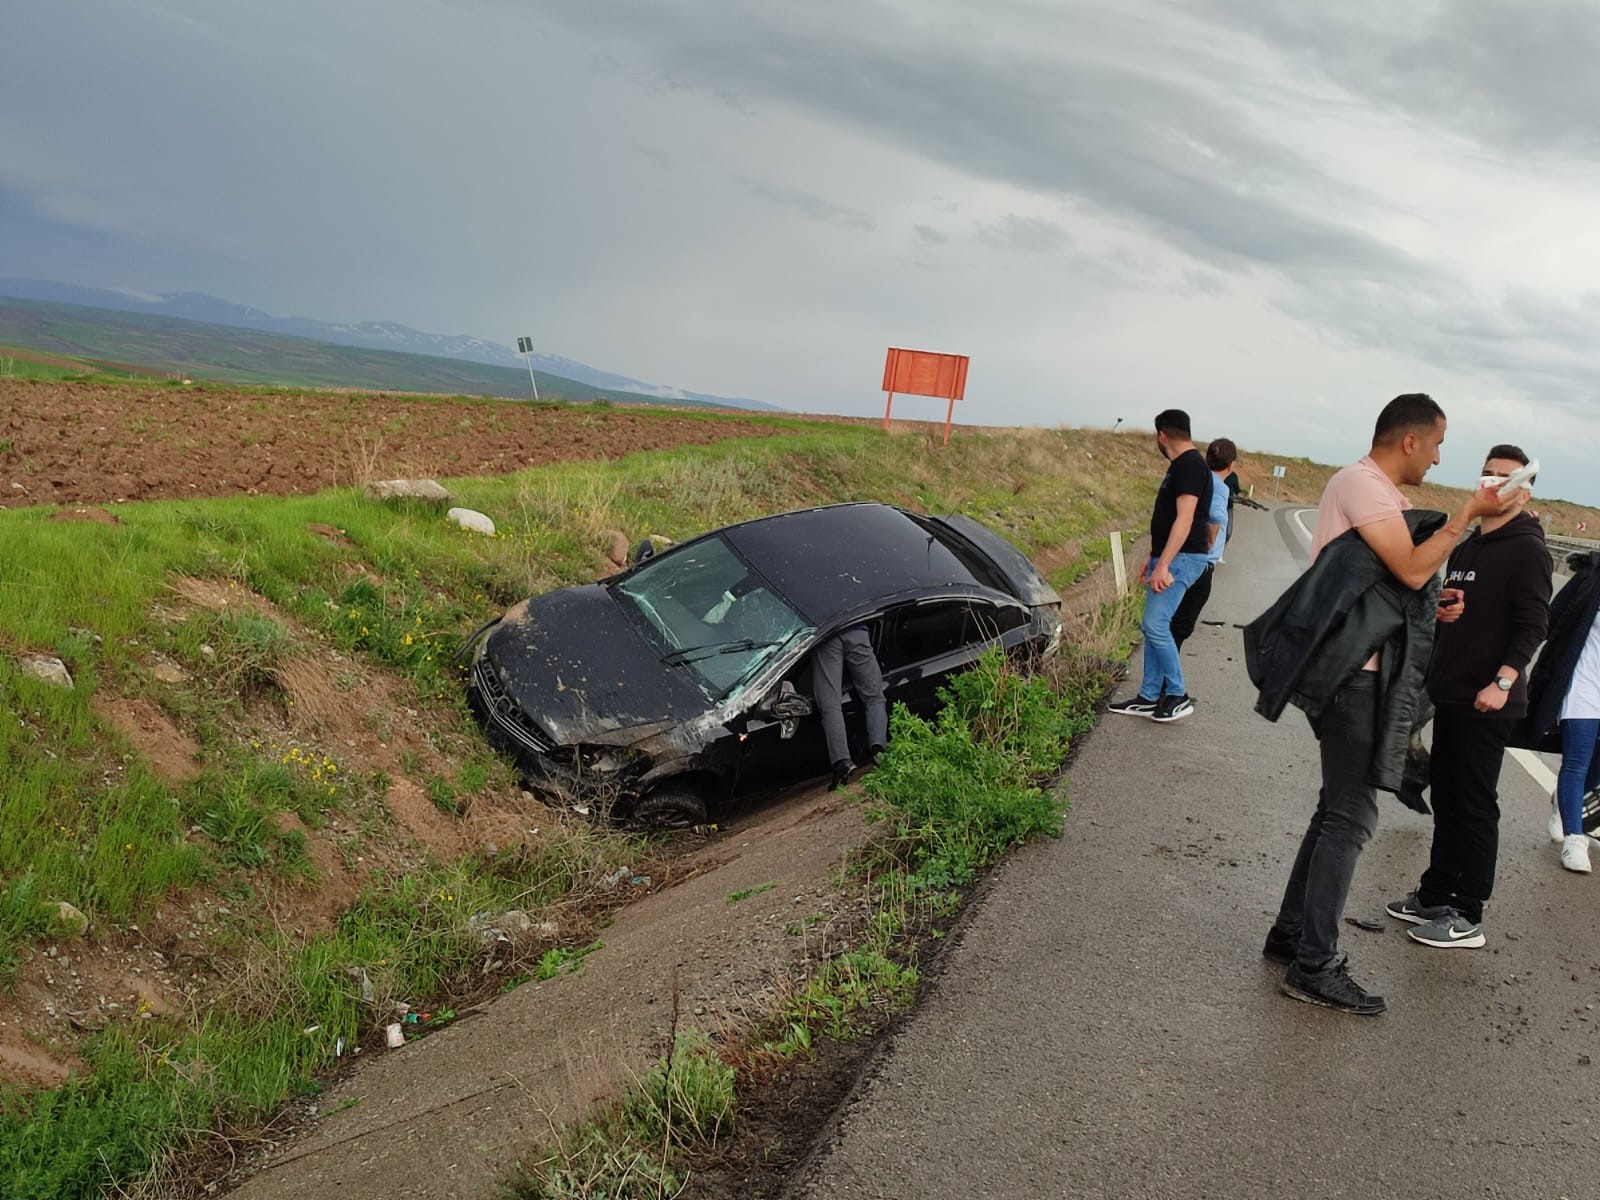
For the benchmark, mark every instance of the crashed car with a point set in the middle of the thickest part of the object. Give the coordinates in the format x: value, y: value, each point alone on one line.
x: 685, y: 681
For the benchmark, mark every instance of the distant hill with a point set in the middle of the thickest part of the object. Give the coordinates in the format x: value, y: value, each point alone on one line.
x: 372, y: 335
x: 238, y: 355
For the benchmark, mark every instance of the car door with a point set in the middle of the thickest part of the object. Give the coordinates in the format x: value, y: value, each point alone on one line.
x: 923, y: 644
x: 770, y: 760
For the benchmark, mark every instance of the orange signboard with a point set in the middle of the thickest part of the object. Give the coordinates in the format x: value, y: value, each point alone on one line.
x: 925, y: 373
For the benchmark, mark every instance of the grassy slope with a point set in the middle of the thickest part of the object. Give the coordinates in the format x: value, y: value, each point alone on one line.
x: 243, y: 356
x: 86, y: 823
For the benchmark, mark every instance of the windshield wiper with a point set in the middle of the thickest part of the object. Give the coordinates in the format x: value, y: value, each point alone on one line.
x: 696, y: 653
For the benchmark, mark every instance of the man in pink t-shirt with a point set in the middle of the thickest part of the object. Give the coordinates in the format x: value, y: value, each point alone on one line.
x: 1359, y: 495
x: 1365, y: 497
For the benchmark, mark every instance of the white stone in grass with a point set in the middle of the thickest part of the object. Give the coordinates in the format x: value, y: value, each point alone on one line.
x: 71, y: 919
x: 47, y: 668
x: 516, y: 921
x: 407, y: 489
x: 471, y: 519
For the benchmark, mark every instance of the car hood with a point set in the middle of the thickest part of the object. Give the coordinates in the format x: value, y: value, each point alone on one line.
x: 578, y: 667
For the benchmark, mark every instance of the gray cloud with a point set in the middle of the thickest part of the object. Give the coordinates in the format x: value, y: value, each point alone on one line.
x: 1130, y: 138
x: 812, y: 207
x: 1031, y: 235
x: 1170, y: 150
x: 1519, y: 75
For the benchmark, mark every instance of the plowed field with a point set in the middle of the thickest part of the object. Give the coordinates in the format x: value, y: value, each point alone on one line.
x: 86, y: 443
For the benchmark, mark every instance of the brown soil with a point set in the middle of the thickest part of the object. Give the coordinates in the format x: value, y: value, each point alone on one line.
x: 89, y: 443
x: 170, y: 753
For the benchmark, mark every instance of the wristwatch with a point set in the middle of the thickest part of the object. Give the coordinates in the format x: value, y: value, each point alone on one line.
x: 1501, y: 682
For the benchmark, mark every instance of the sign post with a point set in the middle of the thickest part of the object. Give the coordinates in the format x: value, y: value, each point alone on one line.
x: 1278, y: 473
x: 525, y: 348
x: 925, y: 373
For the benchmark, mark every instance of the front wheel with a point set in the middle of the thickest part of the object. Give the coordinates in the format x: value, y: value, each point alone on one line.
x: 671, y: 806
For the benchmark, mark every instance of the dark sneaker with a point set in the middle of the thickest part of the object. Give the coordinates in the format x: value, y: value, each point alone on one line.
x: 842, y: 770
x: 1332, y: 988
x: 1137, y: 707
x: 1280, y: 947
x: 1413, y: 910
x: 1448, y: 929
x: 1172, y: 708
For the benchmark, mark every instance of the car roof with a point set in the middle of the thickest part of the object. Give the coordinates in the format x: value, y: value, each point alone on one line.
x: 844, y: 558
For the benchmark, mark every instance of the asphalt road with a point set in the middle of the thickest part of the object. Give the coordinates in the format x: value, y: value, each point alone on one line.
x: 1106, y: 1027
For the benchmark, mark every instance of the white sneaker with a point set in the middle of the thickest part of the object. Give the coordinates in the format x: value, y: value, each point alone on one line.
x: 1557, y: 830
x: 1575, y: 853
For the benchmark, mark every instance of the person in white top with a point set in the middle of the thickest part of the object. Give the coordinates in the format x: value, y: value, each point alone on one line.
x: 1574, y: 647
x: 1580, y: 763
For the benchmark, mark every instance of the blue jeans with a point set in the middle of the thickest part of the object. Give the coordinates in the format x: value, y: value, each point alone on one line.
x: 1163, y: 676
x: 1580, y: 770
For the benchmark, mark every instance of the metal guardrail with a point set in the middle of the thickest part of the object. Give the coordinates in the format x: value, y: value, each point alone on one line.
x: 1570, y: 545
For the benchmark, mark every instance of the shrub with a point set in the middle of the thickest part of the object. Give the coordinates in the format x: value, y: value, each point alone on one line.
x: 957, y: 791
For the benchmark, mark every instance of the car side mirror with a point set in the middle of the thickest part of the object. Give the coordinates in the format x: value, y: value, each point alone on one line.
x: 785, y: 704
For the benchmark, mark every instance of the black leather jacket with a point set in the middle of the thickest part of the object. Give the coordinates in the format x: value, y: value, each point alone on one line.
x: 1321, y: 631
x: 1572, y: 615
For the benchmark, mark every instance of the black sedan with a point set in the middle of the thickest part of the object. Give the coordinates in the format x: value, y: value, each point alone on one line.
x: 685, y: 681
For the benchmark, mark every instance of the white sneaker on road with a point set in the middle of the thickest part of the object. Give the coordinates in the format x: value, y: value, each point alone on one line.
x: 1557, y: 830
x: 1575, y: 853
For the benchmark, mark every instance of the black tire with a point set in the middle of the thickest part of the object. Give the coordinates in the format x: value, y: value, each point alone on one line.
x: 671, y: 806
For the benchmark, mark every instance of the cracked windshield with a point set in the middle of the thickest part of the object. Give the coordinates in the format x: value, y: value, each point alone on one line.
x: 709, y: 612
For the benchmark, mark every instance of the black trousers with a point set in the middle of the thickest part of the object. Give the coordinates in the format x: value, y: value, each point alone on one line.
x: 1188, y: 610
x: 1464, y: 783
x: 1345, y: 818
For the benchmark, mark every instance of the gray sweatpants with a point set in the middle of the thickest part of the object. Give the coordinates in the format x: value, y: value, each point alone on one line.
x: 852, y: 648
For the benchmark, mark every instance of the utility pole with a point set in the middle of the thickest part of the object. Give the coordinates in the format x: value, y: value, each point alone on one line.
x: 525, y: 348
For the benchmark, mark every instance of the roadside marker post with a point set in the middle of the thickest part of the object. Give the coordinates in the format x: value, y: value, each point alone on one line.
x: 1119, y: 564
x: 525, y: 348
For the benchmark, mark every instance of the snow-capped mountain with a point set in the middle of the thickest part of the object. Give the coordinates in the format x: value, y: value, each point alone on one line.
x: 372, y: 335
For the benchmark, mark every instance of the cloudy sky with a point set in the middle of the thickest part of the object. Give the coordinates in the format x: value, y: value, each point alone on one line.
x: 1274, y: 215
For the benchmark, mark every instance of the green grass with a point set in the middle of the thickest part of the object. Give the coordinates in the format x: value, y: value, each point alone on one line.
x: 635, y: 1148
x: 408, y: 937
x: 86, y: 821
x: 746, y: 893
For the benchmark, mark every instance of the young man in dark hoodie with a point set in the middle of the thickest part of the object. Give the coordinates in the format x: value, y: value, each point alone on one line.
x: 1493, y: 611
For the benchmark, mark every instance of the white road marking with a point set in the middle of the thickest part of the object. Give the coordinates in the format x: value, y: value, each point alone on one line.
x: 1541, y: 774
x: 1299, y: 518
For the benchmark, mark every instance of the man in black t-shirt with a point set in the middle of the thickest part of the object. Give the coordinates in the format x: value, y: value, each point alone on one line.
x: 1177, y: 558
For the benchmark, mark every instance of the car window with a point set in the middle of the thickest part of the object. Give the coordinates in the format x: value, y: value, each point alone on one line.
x: 921, y: 632
x: 709, y: 613
x: 983, y: 570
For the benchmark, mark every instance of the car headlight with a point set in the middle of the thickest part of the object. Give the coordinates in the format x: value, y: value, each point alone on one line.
x: 600, y: 760
x: 1056, y: 635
